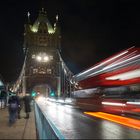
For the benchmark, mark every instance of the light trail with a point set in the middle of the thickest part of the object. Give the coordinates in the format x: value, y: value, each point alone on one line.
x: 126, y: 75
x: 122, y: 62
x: 118, y: 119
x: 103, y: 63
x: 113, y: 104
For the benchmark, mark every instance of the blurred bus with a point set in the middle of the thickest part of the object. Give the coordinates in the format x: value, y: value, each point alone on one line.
x: 113, y: 85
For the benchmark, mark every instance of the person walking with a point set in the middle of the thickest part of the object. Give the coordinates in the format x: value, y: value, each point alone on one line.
x: 20, y: 106
x: 27, y: 106
x: 13, y: 105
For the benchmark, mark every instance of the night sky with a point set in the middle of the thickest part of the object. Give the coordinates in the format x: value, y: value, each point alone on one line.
x: 92, y: 30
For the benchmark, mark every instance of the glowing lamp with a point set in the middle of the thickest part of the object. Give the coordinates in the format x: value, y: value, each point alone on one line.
x: 38, y: 58
x: 46, y: 58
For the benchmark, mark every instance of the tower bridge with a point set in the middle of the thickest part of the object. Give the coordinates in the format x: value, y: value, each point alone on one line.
x: 45, y: 71
x: 43, y: 64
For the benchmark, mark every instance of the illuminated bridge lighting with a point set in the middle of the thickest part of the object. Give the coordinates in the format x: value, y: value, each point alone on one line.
x: 133, y: 123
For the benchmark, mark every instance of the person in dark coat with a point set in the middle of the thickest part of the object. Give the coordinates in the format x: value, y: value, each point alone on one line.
x: 13, y: 108
x: 20, y: 107
x: 27, y: 106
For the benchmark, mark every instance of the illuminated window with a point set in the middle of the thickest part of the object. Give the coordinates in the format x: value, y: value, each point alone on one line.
x: 42, y: 71
x: 49, y: 71
x: 35, y: 71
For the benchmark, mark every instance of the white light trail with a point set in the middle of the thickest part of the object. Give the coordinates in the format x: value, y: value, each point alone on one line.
x: 103, y: 63
x: 110, y: 66
x: 101, y: 71
x: 51, y: 99
x: 126, y: 75
x: 113, y: 104
x: 125, y: 57
x: 133, y: 103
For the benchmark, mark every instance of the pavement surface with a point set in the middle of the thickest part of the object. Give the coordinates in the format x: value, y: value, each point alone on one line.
x: 21, y: 129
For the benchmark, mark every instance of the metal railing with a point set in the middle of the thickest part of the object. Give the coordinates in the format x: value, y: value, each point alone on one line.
x: 45, y: 128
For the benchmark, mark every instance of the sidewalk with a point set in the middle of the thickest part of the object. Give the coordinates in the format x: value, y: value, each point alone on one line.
x: 22, y: 129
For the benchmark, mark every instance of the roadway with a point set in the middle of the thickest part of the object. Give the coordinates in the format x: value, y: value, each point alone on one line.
x: 73, y: 123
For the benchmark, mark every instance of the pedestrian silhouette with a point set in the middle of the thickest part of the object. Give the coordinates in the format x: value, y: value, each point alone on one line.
x: 27, y: 106
x: 20, y: 106
x: 13, y: 105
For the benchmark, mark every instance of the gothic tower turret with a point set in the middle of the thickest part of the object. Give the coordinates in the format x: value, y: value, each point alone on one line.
x: 42, y: 42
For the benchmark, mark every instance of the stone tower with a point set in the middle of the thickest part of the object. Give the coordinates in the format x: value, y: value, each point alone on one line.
x: 42, y: 46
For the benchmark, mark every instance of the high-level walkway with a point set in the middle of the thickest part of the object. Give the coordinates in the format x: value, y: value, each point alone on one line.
x: 21, y: 129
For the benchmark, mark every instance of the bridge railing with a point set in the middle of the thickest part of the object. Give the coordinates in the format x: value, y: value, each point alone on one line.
x: 45, y: 128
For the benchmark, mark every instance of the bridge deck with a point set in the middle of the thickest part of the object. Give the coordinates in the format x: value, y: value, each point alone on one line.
x: 22, y: 129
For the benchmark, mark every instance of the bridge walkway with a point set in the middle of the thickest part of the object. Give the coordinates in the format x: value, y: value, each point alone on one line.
x: 21, y: 129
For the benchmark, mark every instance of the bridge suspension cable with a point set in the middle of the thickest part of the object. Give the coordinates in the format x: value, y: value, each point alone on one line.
x: 16, y: 85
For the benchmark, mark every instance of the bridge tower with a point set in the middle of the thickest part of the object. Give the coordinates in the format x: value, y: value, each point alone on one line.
x: 42, y: 59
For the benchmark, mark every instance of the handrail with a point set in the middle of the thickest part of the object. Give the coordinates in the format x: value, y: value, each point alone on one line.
x: 46, y: 129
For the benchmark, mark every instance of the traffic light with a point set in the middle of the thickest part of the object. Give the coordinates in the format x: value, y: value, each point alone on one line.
x: 33, y: 93
x: 52, y: 94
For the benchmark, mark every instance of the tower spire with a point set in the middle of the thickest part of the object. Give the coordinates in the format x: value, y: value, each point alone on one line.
x: 56, y: 18
x: 42, y: 4
x: 56, y: 22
